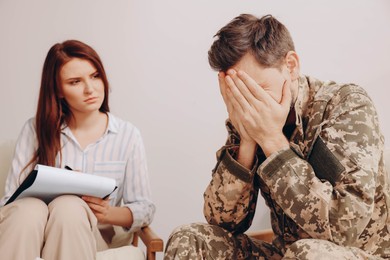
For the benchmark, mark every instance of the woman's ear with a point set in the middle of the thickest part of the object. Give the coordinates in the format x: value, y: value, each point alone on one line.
x: 292, y: 62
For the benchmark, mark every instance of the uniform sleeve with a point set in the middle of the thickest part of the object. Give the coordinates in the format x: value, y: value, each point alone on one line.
x: 26, y: 146
x: 230, y: 198
x: 330, y: 194
x: 137, y: 194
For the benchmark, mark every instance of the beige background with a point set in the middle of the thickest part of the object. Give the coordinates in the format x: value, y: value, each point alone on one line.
x: 155, y: 54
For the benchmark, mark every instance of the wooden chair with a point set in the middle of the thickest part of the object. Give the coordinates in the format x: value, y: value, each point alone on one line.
x: 266, y: 235
x: 152, y: 242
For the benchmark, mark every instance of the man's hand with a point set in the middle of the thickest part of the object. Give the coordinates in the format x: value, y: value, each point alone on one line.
x: 248, y: 146
x: 257, y: 112
x: 232, y: 110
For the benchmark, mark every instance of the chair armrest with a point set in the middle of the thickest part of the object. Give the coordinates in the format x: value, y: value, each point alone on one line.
x: 266, y: 235
x: 152, y: 242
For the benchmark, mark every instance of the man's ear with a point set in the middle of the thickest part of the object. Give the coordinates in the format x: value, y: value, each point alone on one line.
x: 292, y: 62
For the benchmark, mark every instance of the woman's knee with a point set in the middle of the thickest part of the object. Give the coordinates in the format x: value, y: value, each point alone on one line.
x: 31, y: 207
x: 70, y: 209
x: 25, y: 213
x: 66, y: 203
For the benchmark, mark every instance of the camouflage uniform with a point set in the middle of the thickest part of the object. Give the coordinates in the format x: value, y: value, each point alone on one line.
x: 328, y: 193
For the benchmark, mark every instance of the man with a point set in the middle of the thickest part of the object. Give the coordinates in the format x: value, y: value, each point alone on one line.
x: 314, y: 150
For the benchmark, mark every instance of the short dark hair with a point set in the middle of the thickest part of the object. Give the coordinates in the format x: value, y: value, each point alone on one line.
x: 266, y: 38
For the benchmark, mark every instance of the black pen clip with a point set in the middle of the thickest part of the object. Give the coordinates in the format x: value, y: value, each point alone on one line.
x: 105, y: 197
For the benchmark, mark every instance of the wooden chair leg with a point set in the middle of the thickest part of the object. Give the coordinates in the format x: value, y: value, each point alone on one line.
x: 265, y: 235
x: 152, y: 242
x: 135, y: 239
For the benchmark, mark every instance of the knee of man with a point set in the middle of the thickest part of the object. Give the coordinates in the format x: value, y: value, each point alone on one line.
x: 199, y: 241
x: 321, y: 249
x: 202, y: 231
x: 298, y: 249
x: 186, y: 229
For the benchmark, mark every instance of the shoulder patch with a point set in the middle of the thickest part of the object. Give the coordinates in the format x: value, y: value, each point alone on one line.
x: 325, y: 165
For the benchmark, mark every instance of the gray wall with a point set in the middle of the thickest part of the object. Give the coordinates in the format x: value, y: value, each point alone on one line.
x: 155, y: 54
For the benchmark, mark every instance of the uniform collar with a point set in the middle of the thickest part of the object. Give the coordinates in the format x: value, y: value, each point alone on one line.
x: 300, y: 106
x: 302, y: 100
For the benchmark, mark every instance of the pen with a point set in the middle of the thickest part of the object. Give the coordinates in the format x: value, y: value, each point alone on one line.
x: 105, y: 197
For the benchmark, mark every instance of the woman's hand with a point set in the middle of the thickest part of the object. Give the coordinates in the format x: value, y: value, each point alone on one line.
x: 106, y: 214
x: 101, y: 208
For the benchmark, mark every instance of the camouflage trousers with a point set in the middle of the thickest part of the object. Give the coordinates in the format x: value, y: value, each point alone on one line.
x: 204, y: 241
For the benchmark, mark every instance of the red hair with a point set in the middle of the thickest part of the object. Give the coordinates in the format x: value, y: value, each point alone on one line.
x: 53, y: 111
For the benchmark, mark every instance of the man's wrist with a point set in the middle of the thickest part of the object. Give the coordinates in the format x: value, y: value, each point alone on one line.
x: 272, y: 145
x: 246, y: 153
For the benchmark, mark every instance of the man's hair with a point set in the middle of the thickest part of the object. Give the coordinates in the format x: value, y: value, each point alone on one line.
x: 265, y: 38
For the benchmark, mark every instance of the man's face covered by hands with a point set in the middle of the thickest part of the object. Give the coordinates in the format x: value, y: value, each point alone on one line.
x: 259, y: 99
x: 269, y: 79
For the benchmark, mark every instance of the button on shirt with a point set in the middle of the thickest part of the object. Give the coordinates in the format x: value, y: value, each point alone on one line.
x: 118, y: 154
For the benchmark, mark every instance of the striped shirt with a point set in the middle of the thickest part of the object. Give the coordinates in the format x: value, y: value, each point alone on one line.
x: 118, y: 154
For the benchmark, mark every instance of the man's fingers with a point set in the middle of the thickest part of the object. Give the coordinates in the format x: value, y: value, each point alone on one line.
x: 222, y: 85
x: 257, y: 91
x: 236, y: 106
x: 236, y: 97
x: 223, y: 89
x: 242, y: 87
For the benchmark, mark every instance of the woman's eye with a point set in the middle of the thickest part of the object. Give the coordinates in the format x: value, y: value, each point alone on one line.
x: 96, y: 75
x: 74, y: 82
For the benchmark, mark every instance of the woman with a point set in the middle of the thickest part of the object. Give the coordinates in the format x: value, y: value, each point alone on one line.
x: 73, y: 127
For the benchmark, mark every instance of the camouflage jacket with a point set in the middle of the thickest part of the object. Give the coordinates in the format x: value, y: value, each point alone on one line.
x: 330, y: 184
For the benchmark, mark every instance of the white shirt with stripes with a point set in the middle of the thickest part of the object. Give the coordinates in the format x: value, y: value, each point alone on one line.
x: 118, y: 154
